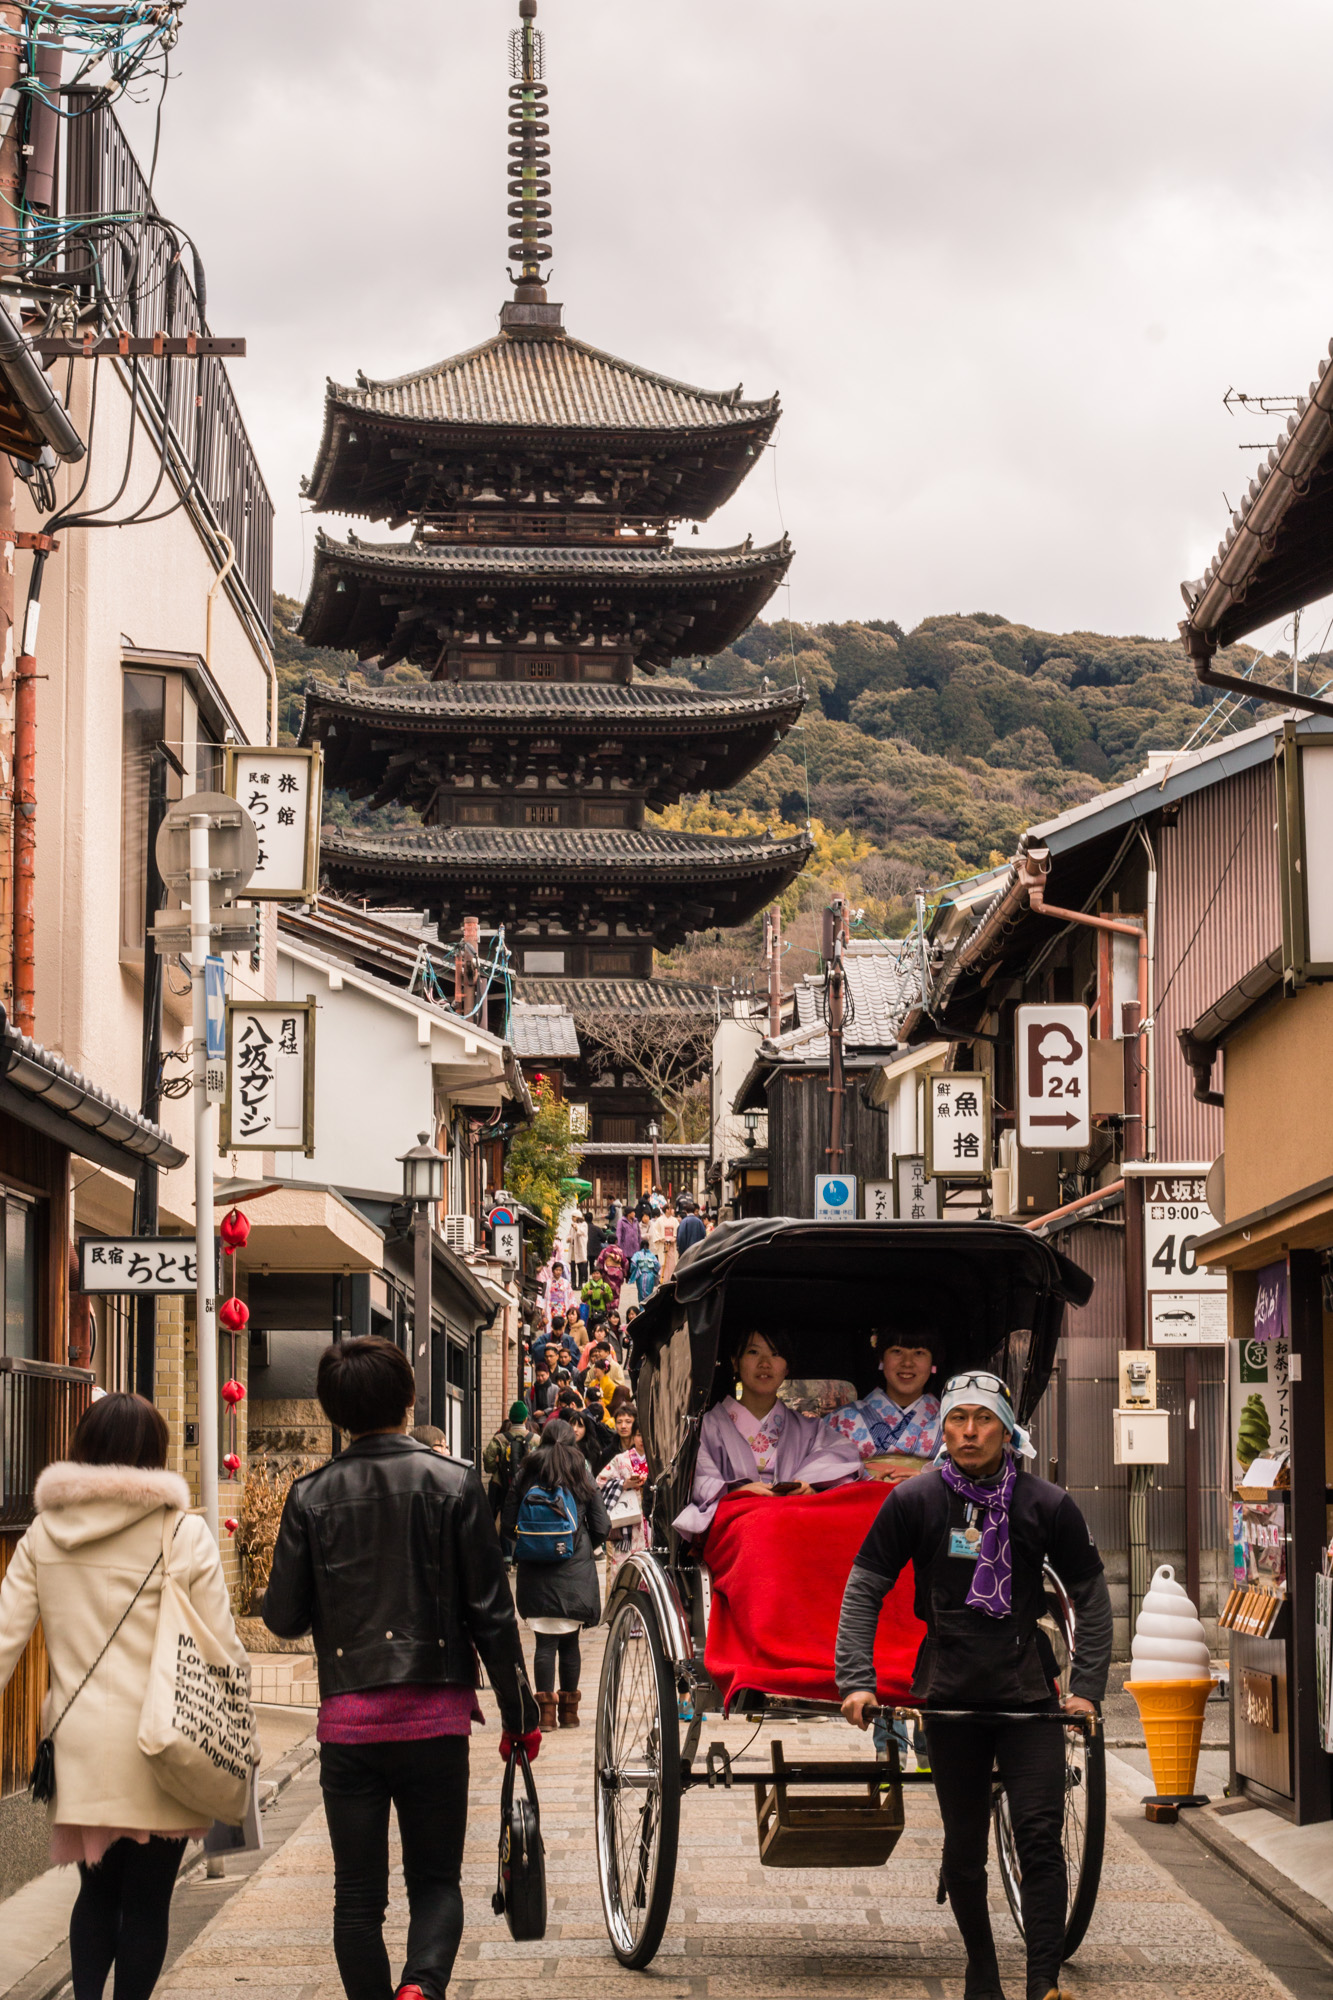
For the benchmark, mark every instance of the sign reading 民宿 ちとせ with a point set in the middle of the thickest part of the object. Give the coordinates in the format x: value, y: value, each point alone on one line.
x: 156, y: 1264
x: 282, y: 790
x: 270, y: 1101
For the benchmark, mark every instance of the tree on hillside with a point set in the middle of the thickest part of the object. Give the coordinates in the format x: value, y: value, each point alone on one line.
x: 668, y: 1050
x: 541, y: 1156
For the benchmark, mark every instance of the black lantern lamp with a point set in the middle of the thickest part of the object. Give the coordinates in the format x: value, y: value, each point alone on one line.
x: 751, y: 1126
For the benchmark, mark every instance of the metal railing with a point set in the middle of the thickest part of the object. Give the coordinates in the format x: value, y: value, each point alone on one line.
x: 40, y: 1405
x: 103, y: 178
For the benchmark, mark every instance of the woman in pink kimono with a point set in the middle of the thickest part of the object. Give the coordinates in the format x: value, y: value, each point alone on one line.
x: 752, y: 1443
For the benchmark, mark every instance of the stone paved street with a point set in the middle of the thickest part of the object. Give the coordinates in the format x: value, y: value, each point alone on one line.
x: 738, y: 1930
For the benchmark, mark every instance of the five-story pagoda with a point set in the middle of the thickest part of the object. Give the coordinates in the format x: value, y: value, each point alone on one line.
x: 541, y: 584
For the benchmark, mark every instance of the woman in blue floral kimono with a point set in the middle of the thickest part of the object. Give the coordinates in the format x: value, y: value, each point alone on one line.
x: 901, y: 1420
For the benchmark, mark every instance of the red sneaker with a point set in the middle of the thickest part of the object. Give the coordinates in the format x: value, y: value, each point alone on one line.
x: 410, y: 1993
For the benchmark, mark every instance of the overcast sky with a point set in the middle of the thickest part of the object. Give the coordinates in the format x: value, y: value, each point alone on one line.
x: 1002, y: 261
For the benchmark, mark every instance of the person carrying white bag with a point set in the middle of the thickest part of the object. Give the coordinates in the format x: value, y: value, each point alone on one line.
x: 91, y: 1567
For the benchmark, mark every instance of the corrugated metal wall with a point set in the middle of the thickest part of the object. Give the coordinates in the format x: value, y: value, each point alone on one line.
x: 1224, y: 835
x: 1088, y: 1381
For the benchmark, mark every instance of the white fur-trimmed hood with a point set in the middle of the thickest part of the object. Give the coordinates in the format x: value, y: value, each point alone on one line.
x: 87, y: 1503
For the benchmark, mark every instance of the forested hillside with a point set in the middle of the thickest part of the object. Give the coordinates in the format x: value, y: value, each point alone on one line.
x: 922, y: 755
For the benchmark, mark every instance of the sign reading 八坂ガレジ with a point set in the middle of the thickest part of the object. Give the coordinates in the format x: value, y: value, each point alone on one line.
x: 159, y: 1264
x: 282, y: 792
x: 1187, y: 1303
x: 835, y: 1197
x: 1052, y: 1069
x: 916, y: 1196
x: 270, y: 1101
x: 957, y: 1126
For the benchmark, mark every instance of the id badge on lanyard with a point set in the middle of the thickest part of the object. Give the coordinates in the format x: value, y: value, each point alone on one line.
x: 965, y: 1543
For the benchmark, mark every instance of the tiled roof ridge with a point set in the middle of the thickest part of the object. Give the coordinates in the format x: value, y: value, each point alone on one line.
x: 564, y: 847
x: 628, y: 703
x: 730, y: 400
x: 511, y: 553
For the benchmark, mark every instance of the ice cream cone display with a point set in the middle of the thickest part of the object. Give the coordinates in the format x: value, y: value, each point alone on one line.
x: 1171, y: 1680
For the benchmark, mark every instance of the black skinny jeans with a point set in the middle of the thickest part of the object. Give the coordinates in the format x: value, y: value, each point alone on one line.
x: 426, y: 1783
x: 548, y: 1644
x: 1030, y: 1758
x: 121, y: 1917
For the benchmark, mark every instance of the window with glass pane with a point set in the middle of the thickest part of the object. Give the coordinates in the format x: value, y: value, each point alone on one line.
x: 20, y: 1278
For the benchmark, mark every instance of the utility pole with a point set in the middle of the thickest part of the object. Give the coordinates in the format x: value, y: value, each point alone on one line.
x: 11, y: 174
x: 205, y: 1153
x: 150, y: 1097
x: 773, y: 942
x: 835, y: 937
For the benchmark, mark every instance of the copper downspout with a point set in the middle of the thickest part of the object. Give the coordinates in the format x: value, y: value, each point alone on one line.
x: 25, y: 809
x: 1075, y: 1207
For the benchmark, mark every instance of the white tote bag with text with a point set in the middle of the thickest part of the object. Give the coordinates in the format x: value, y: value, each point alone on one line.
x: 196, y: 1727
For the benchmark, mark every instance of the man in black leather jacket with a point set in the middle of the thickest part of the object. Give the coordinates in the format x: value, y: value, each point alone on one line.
x: 388, y: 1556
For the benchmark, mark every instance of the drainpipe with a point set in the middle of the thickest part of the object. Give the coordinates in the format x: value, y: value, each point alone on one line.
x: 1150, y: 1019
x: 25, y: 801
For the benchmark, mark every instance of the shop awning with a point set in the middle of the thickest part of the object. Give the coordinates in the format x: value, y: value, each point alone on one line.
x: 304, y: 1226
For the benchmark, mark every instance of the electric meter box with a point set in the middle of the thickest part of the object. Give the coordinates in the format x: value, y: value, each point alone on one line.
x: 1141, y: 1437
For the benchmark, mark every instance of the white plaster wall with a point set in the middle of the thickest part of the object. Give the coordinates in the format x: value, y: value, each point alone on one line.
x: 374, y: 1088
x: 147, y: 584
x: 735, y: 1046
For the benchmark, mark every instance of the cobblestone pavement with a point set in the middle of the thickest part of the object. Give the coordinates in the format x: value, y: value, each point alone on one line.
x: 739, y: 1930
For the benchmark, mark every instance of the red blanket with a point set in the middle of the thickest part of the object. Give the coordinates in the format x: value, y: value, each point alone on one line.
x: 779, y: 1568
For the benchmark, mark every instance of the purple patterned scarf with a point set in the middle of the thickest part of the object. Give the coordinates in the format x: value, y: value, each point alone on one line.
x: 991, y: 1589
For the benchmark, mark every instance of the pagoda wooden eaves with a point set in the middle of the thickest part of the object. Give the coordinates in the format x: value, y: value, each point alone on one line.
x: 394, y: 601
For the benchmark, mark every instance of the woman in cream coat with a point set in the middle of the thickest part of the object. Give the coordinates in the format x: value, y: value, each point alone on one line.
x: 98, y: 1528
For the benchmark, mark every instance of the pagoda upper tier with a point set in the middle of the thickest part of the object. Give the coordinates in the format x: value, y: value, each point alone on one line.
x: 483, y: 753
x: 534, y: 434
x: 616, y: 601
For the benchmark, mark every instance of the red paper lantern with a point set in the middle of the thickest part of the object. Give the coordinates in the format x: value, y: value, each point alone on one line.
x: 233, y: 1392
x: 232, y: 1463
x: 231, y: 1526
x: 234, y: 1230
x: 234, y: 1315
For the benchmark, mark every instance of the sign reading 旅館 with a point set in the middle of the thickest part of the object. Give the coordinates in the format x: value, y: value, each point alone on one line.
x: 282, y: 791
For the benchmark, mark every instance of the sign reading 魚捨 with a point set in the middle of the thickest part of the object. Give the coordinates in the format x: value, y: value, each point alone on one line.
x: 270, y: 1100
x: 835, y: 1197
x: 957, y: 1126
x: 1052, y: 1067
x: 282, y: 790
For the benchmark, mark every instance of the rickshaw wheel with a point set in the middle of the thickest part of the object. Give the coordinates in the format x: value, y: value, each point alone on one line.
x: 637, y: 1779
x: 1084, y: 1837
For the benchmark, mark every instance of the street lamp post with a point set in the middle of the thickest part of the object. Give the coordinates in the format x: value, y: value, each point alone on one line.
x: 655, y: 1133
x: 423, y: 1186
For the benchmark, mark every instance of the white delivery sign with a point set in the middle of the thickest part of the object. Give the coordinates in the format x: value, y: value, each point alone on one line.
x: 1052, y: 1068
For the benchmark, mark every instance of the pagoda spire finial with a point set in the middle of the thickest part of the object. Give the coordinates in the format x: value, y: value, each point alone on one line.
x: 529, y: 176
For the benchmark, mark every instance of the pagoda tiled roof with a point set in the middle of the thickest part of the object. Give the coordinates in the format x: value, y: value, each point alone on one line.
x: 557, y: 383
x: 559, y: 851
x: 547, y: 704
x: 687, y: 601
x: 614, y: 996
x: 542, y: 1029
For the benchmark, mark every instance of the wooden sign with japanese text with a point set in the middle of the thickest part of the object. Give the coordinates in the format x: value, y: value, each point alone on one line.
x: 270, y: 1102
x: 282, y: 790
x: 958, y: 1126
x: 161, y: 1265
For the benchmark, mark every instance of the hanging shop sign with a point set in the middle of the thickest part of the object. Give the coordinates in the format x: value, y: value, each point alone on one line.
x: 835, y: 1197
x: 1259, y: 1402
x: 1187, y: 1303
x: 1052, y: 1065
x: 1304, y: 772
x: 1272, y: 1304
x: 270, y: 1102
x: 957, y: 1126
x: 282, y: 790
x: 507, y: 1242
x: 878, y: 1201
x: 916, y: 1198
x: 156, y: 1264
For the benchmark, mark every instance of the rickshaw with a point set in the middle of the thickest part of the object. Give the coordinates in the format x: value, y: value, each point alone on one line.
x: 994, y: 1296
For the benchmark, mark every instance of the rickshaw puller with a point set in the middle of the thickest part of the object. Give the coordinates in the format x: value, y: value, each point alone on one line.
x: 977, y: 1530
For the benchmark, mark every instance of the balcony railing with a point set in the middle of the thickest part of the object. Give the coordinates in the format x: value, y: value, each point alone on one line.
x: 103, y: 177
x: 40, y: 1406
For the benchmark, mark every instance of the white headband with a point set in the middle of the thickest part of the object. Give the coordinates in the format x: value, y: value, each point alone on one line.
x: 970, y: 1394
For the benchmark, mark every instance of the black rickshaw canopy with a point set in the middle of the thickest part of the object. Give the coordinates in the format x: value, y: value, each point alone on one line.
x: 989, y: 1294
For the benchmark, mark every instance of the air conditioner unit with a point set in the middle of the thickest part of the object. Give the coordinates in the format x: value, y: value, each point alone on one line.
x: 459, y: 1232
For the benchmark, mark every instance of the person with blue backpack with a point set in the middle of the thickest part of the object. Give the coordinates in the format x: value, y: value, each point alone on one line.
x: 556, y: 1517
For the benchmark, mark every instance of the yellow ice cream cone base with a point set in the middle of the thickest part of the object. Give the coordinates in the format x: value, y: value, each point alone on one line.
x: 1172, y: 1715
